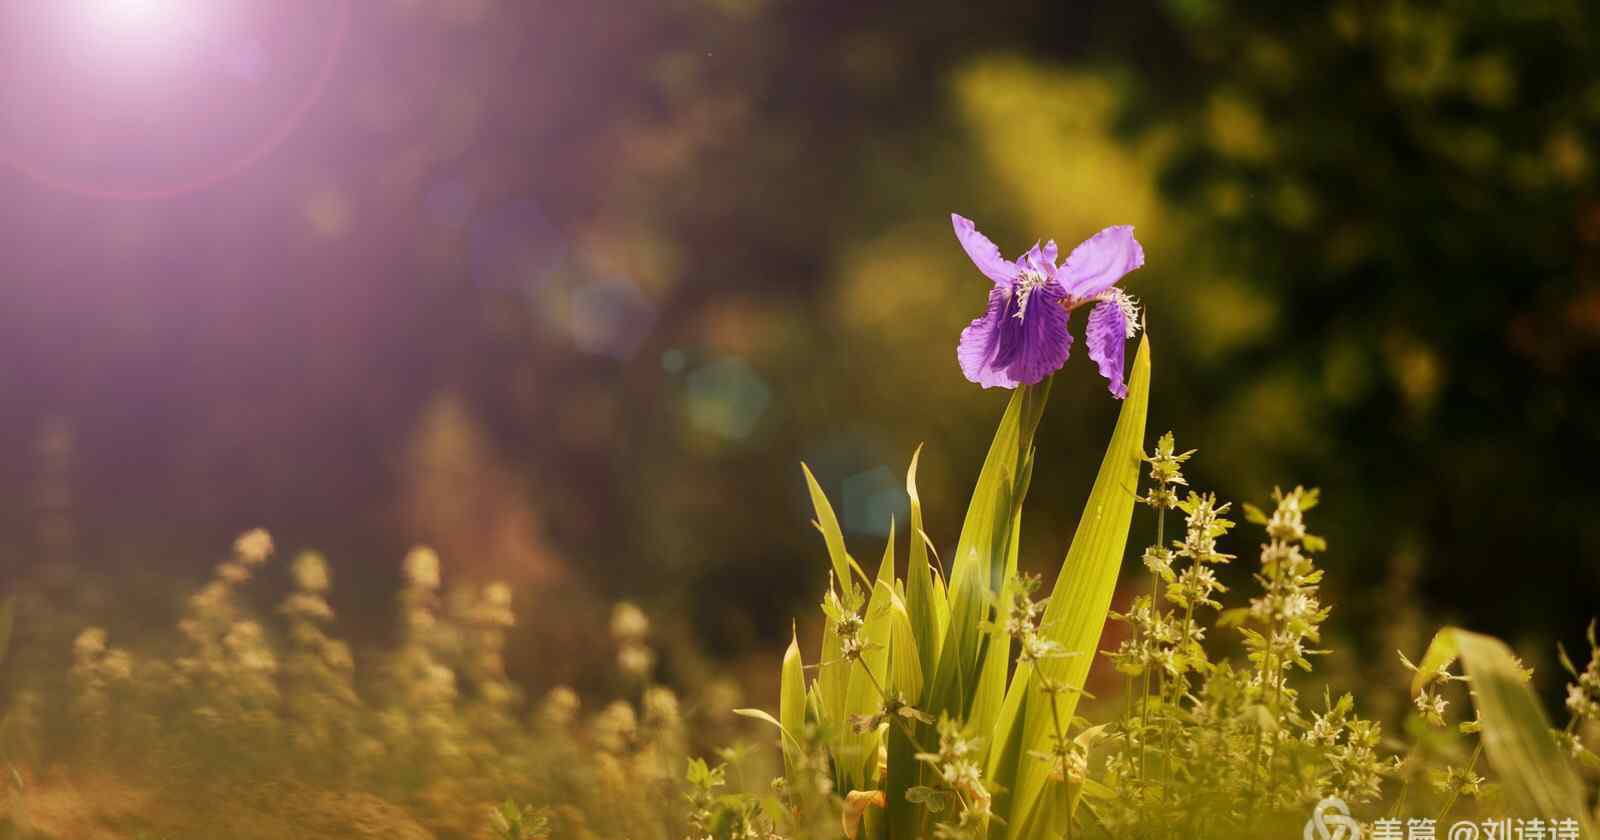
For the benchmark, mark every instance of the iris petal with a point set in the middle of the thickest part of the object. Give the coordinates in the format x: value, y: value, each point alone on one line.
x: 1041, y: 341
x: 1106, y: 337
x: 983, y: 253
x: 1100, y: 261
x: 980, y: 342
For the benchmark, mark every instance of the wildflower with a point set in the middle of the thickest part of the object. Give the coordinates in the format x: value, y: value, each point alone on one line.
x: 635, y: 660
x: 311, y: 572
x: 91, y: 642
x: 337, y: 656
x: 253, y: 547
x: 422, y: 568
x: 629, y: 623
x: 560, y: 707
x: 1023, y: 336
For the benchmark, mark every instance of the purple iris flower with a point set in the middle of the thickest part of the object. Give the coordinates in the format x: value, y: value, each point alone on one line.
x: 1023, y: 336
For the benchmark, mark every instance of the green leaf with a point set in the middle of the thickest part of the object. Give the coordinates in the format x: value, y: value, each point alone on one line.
x: 905, y: 677
x: 1536, y: 776
x: 1076, y: 614
x: 859, y: 753
x: 925, y: 598
x: 981, y: 556
x: 828, y: 524
x: 905, y: 666
x: 989, y: 696
x: 766, y: 717
x: 833, y: 678
x: 792, y: 705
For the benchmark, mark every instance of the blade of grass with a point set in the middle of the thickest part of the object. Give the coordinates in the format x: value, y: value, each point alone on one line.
x: 828, y: 524
x: 924, y: 599
x: 905, y: 677
x: 792, y: 705
x: 979, y: 570
x: 869, y: 677
x: 989, y: 697
x: 833, y: 675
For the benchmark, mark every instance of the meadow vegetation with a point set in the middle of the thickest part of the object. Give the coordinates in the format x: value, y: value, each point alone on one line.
x: 941, y: 700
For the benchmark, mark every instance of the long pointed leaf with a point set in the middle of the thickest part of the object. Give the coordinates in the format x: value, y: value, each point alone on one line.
x: 980, y: 567
x: 833, y: 677
x: 859, y: 754
x: 923, y: 599
x: 828, y: 524
x: 792, y: 705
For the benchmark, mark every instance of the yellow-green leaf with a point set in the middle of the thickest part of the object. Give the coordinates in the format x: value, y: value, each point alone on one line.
x: 792, y: 704
x: 981, y: 552
x: 766, y: 717
x: 859, y: 753
x: 828, y: 524
x: 924, y: 598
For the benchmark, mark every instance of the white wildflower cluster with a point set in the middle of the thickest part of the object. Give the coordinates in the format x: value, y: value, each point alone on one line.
x: 98, y: 671
x: 1428, y: 695
x: 230, y: 664
x: 1159, y: 641
x: 1207, y: 742
x: 421, y: 718
x: 1583, y: 693
x: 1583, y: 703
x: 630, y: 629
x: 1067, y: 757
x: 249, y: 697
x: 1288, y: 608
x: 959, y: 789
x: 319, y: 670
x: 484, y: 616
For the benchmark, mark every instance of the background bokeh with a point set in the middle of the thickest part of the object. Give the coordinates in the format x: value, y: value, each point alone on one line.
x: 569, y: 289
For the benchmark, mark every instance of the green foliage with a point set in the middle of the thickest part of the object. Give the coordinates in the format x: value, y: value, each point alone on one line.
x: 422, y: 740
x: 1207, y: 743
x: 925, y: 666
x: 1537, y: 777
x: 508, y: 821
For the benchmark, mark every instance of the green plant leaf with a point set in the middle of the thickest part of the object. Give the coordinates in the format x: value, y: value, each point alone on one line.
x: 859, y: 752
x: 1076, y: 614
x: 980, y: 563
x: 989, y: 695
x: 925, y: 597
x: 1536, y: 776
x: 766, y: 717
x: 833, y: 677
x: 792, y: 705
x: 905, y: 666
x: 828, y: 524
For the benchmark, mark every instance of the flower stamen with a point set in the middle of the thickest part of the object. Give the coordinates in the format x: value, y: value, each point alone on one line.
x: 1127, y: 303
x: 1027, y: 283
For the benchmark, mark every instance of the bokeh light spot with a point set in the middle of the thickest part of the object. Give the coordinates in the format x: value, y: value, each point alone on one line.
x: 726, y: 398
x: 871, y: 500
x: 328, y: 211
x: 610, y: 318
